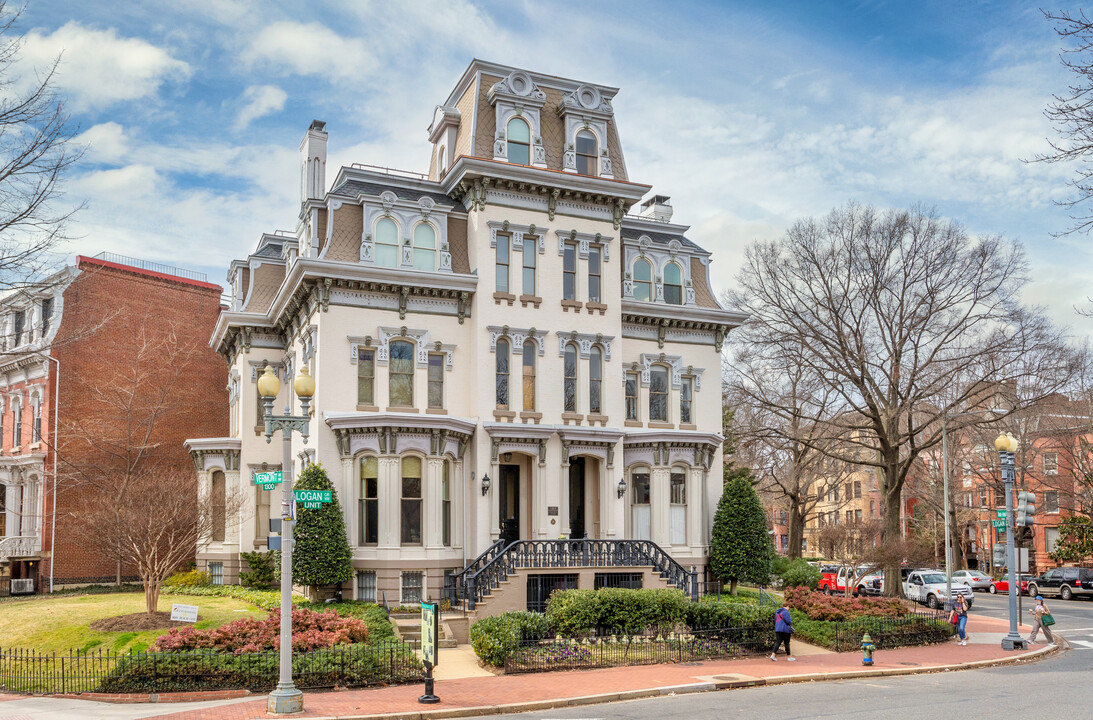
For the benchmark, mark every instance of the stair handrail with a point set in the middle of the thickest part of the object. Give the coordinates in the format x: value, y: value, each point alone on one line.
x: 577, y: 553
x: 457, y: 580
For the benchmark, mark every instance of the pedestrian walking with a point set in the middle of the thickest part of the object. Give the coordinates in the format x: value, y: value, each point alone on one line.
x: 1042, y: 618
x: 960, y: 610
x: 783, y: 628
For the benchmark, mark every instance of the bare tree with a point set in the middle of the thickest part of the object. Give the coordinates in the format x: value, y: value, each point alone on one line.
x: 36, y: 152
x: 906, y: 319
x: 158, y: 525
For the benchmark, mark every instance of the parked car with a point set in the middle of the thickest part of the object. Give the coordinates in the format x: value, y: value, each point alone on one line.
x: 1003, y: 585
x: 834, y: 579
x: 874, y: 582
x: 973, y: 578
x: 928, y: 588
x: 1066, y: 582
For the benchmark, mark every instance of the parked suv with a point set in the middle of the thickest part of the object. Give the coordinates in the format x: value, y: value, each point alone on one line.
x: 1065, y: 582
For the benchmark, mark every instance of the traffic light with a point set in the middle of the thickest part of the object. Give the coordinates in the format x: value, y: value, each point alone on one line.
x: 1026, y: 510
x: 999, y: 559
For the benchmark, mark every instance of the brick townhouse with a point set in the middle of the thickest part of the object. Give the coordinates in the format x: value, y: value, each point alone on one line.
x: 60, y: 344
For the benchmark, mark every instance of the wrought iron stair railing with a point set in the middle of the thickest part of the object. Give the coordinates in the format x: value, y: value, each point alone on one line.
x: 455, y: 586
x: 525, y: 554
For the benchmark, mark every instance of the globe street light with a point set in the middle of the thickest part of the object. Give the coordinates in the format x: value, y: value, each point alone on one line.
x: 1006, y: 445
x: 286, y: 697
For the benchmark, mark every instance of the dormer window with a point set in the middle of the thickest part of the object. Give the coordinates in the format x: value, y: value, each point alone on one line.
x: 518, y: 135
x: 643, y: 280
x: 424, y: 247
x: 47, y: 315
x: 387, y: 243
x: 673, y: 284
x: 587, y: 153
x: 20, y: 325
x: 442, y: 161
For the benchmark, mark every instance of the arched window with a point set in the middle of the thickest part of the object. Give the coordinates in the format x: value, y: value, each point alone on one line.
x: 658, y: 394
x: 502, y: 373
x: 219, y: 502
x: 677, y: 521
x: 519, y: 142
x: 386, y: 243
x: 640, y: 525
x: 424, y: 247
x: 411, y: 501
x: 368, y: 504
x: 16, y: 423
x: 442, y: 161
x: 595, y: 376
x: 401, y: 381
x: 643, y: 280
x: 529, y: 375
x: 36, y: 407
x: 673, y: 284
x: 570, y: 388
x: 587, y: 153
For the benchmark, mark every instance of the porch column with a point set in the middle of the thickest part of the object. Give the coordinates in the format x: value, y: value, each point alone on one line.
x: 694, y: 507
x: 431, y: 500
x: 563, y: 487
x: 659, y: 499
x: 493, y: 503
x: 348, y: 499
x: 540, y: 522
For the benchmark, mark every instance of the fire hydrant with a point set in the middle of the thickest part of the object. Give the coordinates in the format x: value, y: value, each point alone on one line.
x: 867, y: 648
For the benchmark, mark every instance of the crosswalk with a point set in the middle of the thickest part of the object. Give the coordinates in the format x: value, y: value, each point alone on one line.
x: 1078, y: 638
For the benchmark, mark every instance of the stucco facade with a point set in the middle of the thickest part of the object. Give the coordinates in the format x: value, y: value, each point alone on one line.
x: 491, y: 318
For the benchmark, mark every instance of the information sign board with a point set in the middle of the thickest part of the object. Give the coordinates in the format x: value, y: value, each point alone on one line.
x: 184, y: 613
x: 430, y: 628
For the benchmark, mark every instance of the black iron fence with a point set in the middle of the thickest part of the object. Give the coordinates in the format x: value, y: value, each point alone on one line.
x: 153, y: 672
x: 887, y: 633
x: 540, y: 655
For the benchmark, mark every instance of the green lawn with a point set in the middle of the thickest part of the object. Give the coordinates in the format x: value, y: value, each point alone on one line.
x: 61, y: 624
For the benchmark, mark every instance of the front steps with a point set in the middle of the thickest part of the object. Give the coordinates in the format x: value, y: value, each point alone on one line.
x: 408, y: 627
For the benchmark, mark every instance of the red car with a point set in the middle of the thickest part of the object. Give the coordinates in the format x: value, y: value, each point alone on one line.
x: 1003, y: 586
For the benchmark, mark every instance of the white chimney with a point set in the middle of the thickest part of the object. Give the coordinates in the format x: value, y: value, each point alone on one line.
x: 313, y: 157
x: 658, y: 207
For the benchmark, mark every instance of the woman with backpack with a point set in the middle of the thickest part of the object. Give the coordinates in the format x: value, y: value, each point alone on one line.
x: 783, y: 628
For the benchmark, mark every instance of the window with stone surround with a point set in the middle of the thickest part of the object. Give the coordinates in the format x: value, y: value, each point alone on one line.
x: 595, y: 256
x: 569, y: 271
x: 631, y: 396
x: 219, y: 501
x: 528, y: 276
x: 16, y: 423
x: 411, y: 501
x: 673, y: 284
x: 595, y: 379
x: 411, y: 587
x: 678, y: 507
x: 424, y: 247
x: 503, y: 260
x: 501, y: 373
x: 366, y: 586
x: 529, y: 351
x: 643, y: 280
x: 436, y: 380
x: 216, y: 573
x: 569, y: 386
x: 47, y: 315
x: 368, y: 504
x: 20, y: 325
x: 686, y: 398
x: 639, y: 506
x: 386, y: 243
x: 658, y: 394
x: 36, y: 427
x: 587, y: 153
x: 1051, y: 463
x: 518, y: 135
x: 401, y: 367
x: 366, y: 376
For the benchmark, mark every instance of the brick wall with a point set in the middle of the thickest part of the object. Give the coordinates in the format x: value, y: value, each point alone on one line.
x: 105, y: 309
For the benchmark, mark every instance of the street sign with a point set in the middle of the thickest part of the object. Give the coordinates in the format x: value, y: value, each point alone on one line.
x: 184, y: 613
x: 999, y: 524
x: 268, y: 480
x: 313, y: 499
x: 1001, y: 514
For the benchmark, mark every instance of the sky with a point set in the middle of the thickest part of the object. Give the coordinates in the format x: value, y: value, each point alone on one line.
x: 749, y: 115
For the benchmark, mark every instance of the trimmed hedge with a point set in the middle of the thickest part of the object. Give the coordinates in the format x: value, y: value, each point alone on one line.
x: 494, y: 638
x: 616, y: 611
x: 265, y: 599
x: 715, y: 615
x: 886, y: 633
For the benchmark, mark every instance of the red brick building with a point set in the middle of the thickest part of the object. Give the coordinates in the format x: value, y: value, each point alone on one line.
x: 119, y: 347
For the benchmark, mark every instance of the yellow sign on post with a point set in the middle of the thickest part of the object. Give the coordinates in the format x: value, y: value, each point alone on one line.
x: 430, y: 629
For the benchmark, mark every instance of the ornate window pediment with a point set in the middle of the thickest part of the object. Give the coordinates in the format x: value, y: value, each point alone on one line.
x: 407, y: 216
x: 584, y: 241
x: 584, y: 342
x: 675, y: 362
x: 519, y: 233
x: 517, y: 337
x: 517, y: 95
x: 422, y: 346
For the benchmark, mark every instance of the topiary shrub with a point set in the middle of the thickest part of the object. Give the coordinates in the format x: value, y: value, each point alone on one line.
x: 714, y: 615
x: 615, y: 611
x: 495, y: 638
x: 798, y: 573
x: 263, y: 569
x: 321, y: 555
x: 188, y: 578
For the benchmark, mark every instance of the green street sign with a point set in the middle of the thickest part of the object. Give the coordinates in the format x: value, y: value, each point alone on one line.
x: 268, y: 480
x: 1001, y: 514
x: 313, y: 499
x: 999, y: 524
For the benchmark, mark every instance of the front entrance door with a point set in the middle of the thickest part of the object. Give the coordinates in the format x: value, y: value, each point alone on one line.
x: 509, y: 503
x: 576, y: 498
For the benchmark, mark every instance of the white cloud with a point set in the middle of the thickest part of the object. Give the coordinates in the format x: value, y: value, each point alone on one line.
x: 308, y: 49
x: 105, y: 143
x: 98, y: 68
x: 259, y: 101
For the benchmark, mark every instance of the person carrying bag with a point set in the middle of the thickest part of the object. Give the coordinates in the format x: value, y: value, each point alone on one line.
x: 1042, y: 618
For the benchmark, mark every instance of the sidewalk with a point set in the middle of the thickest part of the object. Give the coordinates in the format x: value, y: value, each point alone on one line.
x: 487, y: 694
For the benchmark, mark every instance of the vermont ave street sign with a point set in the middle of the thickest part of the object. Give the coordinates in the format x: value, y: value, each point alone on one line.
x: 1001, y: 514
x: 313, y: 499
x: 268, y: 480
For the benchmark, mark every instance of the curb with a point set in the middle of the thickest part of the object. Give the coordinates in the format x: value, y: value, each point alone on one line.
x: 697, y: 687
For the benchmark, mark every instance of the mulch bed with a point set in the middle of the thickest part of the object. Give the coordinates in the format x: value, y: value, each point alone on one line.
x: 137, y: 622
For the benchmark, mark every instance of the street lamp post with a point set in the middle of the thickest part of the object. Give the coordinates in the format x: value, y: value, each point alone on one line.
x: 286, y: 697
x: 948, y: 538
x: 1006, y: 445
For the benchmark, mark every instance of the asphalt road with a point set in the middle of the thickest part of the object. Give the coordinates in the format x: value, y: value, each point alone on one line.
x: 1055, y: 687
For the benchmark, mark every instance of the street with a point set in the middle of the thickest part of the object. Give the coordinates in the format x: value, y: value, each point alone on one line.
x: 1038, y: 690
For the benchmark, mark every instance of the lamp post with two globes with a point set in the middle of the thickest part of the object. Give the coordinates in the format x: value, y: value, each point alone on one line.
x: 286, y: 697
x: 1006, y: 445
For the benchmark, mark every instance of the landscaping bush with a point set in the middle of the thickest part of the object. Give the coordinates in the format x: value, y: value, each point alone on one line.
x: 615, y: 611
x: 265, y: 599
x: 798, y: 573
x: 494, y: 638
x: 713, y: 615
x: 310, y: 631
x: 886, y: 633
x: 263, y: 569
x: 188, y: 578
x: 380, y: 629
x: 836, y: 607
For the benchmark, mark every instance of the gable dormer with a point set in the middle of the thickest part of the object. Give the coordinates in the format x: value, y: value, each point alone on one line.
x: 586, y: 113
x: 517, y: 102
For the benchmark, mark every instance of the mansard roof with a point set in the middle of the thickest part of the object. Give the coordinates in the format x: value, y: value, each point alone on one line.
x: 353, y: 188
x: 660, y: 238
